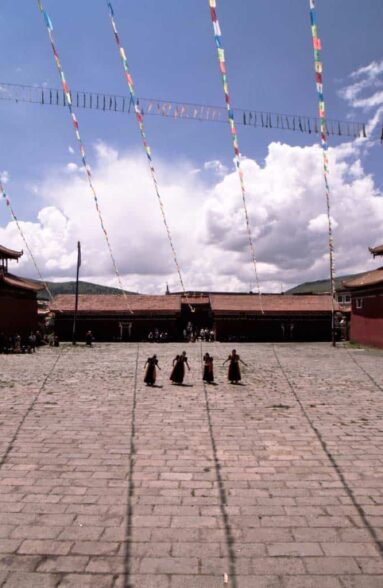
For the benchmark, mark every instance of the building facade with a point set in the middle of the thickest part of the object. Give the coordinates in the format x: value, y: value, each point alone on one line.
x: 18, y: 298
x: 367, y: 305
x: 273, y: 317
x: 116, y: 318
x: 233, y: 317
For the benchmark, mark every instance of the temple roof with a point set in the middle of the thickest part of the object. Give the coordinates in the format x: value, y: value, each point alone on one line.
x: 116, y: 304
x: 21, y: 283
x: 378, y: 250
x: 6, y: 253
x: 220, y: 304
x: 373, y: 278
x: 271, y: 303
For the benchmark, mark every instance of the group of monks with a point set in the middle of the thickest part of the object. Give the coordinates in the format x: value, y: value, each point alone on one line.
x: 180, y: 361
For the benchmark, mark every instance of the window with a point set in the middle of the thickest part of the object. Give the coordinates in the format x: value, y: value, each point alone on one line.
x: 344, y: 299
x: 359, y: 303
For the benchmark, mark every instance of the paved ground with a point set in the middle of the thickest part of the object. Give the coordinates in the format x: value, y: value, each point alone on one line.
x: 277, y: 483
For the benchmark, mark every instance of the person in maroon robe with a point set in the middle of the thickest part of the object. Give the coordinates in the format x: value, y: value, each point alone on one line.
x: 150, y: 374
x: 234, y: 372
x: 208, y: 371
x: 178, y: 372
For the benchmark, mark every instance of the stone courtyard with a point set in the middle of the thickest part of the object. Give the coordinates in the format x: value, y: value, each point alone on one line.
x: 275, y: 483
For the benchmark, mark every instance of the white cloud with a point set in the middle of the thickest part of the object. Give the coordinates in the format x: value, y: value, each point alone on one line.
x: 372, y: 70
x: 72, y: 167
x: 366, y: 93
x: 71, y: 150
x: 216, y: 166
x: 286, y: 203
x: 320, y: 224
x: 4, y: 176
x: 370, y: 102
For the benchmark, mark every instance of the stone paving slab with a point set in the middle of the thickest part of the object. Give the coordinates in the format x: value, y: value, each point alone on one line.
x: 275, y: 483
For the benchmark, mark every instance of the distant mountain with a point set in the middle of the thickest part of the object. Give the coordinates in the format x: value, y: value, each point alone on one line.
x: 84, y: 288
x: 320, y: 286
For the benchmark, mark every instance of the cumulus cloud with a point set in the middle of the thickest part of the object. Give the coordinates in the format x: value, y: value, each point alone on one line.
x: 286, y: 205
x: 320, y: 224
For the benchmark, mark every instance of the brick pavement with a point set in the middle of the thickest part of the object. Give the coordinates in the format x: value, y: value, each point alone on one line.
x: 277, y: 483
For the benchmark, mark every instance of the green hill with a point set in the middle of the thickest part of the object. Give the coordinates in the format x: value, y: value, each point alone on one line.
x: 84, y: 288
x: 319, y: 286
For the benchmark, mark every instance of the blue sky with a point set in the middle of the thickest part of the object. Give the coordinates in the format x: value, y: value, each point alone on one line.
x: 172, y: 55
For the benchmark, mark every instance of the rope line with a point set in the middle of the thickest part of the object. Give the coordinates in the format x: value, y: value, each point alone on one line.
x: 230, y: 541
x: 29, y: 410
x: 22, y: 234
x: 372, y: 532
x: 318, y: 65
x: 237, y: 154
x: 362, y: 369
x: 132, y: 458
x: 76, y: 129
x: 140, y: 122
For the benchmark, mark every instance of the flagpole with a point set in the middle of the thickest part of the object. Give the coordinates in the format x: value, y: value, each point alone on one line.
x: 76, y: 296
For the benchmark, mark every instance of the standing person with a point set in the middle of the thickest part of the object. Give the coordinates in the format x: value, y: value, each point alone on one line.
x: 32, y: 342
x: 208, y: 370
x: 89, y: 338
x: 17, y: 344
x: 343, y: 328
x: 234, y: 373
x: 150, y: 374
x: 178, y: 372
x: 39, y: 339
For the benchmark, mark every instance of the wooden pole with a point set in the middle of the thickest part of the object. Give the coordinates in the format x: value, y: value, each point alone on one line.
x: 76, y: 296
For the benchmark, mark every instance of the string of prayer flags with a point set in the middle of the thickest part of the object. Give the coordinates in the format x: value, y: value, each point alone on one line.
x: 318, y: 66
x: 7, y: 201
x: 178, y: 110
x: 76, y: 128
x: 233, y: 130
x: 140, y: 121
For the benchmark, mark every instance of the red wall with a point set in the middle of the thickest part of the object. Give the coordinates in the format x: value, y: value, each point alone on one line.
x: 367, y: 322
x: 18, y: 315
x: 306, y: 328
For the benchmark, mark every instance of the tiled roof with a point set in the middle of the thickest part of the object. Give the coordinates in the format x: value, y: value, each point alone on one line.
x: 20, y: 283
x: 6, y: 253
x: 220, y: 303
x: 373, y: 278
x: 195, y: 300
x: 112, y: 304
x: 378, y: 250
x: 271, y: 303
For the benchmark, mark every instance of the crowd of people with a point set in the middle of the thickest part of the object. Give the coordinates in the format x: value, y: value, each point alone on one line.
x: 29, y: 343
x: 178, y: 369
x: 192, y: 334
x: 25, y: 344
x: 157, y: 336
